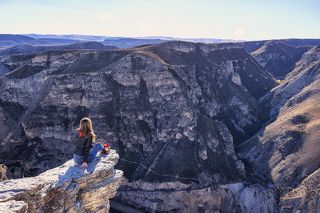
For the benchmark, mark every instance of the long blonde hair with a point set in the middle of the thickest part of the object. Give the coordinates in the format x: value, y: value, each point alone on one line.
x: 86, y: 127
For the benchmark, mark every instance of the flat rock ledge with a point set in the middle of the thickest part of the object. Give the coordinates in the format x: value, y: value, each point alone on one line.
x: 67, y: 188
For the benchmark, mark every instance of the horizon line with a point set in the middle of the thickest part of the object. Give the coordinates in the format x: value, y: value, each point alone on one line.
x: 157, y: 36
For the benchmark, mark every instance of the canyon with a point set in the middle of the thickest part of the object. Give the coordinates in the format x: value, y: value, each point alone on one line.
x: 198, y: 127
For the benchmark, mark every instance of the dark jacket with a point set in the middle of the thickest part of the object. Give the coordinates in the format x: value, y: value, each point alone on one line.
x: 83, y: 146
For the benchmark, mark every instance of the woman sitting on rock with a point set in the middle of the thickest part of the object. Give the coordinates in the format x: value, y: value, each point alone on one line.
x: 85, y: 151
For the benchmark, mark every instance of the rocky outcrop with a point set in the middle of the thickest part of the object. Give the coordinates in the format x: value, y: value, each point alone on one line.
x: 67, y: 188
x: 286, y: 150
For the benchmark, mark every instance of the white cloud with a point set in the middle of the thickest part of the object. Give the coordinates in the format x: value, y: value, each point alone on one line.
x: 106, y: 17
x: 239, y: 32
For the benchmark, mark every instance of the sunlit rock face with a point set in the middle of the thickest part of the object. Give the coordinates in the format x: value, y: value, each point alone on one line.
x: 67, y: 188
x: 172, y: 111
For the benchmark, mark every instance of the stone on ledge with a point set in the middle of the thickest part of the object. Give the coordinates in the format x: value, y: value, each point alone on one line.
x: 67, y: 188
x: 4, y: 172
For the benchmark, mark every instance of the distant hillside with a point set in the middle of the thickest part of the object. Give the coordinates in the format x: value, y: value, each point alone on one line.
x: 29, y: 49
x: 55, y: 41
x: 69, y: 37
x: 10, y: 40
x: 127, y: 42
x: 134, y: 42
x: 7, y: 40
x: 251, y: 46
x: 15, y: 38
x: 278, y: 57
x: 131, y: 42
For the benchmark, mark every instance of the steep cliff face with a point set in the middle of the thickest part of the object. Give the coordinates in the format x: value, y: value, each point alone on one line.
x: 157, y: 105
x: 67, y: 188
x: 286, y: 151
x: 172, y: 111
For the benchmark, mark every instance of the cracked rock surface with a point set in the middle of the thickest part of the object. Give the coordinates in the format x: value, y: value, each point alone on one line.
x: 67, y: 188
x: 173, y: 112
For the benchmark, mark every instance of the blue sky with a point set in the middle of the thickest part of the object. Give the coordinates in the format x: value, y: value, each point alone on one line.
x: 229, y: 19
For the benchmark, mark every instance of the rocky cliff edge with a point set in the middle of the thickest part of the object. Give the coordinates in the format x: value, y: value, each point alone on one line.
x: 67, y: 188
